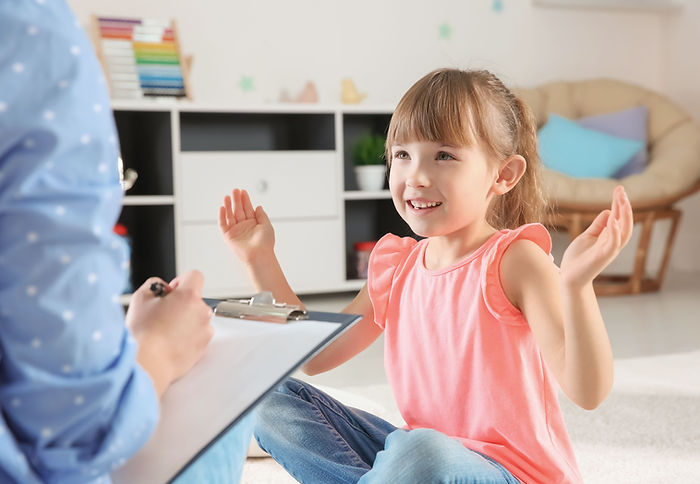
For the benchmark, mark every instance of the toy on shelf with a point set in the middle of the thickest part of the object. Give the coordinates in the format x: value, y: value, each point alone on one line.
x: 349, y: 94
x: 141, y: 57
x: 307, y: 95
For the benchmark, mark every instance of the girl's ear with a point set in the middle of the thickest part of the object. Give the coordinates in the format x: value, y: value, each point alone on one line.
x: 510, y: 171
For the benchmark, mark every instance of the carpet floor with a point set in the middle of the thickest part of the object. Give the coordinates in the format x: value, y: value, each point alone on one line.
x: 646, y: 431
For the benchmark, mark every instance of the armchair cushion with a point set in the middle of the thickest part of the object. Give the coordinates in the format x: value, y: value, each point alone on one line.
x: 567, y: 147
x: 673, y: 138
x: 629, y: 123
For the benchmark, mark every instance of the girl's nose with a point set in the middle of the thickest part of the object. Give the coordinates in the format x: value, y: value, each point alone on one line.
x: 417, y: 177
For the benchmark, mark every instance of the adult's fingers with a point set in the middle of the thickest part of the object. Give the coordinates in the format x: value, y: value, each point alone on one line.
x: 192, y: 280
x: 144, y: 290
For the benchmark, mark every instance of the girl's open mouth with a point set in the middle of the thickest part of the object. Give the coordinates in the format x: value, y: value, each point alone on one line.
x: 422, y: 206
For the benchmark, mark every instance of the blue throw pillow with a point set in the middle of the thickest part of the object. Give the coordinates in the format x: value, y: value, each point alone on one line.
x: 580, y: 152
x: 628, y: 123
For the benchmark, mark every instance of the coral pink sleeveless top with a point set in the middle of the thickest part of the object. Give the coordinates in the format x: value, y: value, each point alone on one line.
x: 461, y: 359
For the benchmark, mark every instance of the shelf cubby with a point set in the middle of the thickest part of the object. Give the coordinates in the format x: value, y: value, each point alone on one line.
x: 354, y: 126
x: 146, y: 146
x: 152, y: 233
x: 370, y: 220
x: 206, y: 131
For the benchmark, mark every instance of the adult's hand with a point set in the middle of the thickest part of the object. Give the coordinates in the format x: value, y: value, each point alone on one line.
x: 172, y: 331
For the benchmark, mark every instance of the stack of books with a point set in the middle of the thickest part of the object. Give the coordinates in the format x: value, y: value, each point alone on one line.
x: 140, y: 57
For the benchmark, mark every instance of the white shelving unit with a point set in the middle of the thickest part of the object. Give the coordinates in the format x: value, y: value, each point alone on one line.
x: 293, y: 159
x: 363, y: 195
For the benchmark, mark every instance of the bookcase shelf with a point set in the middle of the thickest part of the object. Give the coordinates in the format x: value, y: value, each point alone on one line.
x: 295, y: 160
x: 151, y: 231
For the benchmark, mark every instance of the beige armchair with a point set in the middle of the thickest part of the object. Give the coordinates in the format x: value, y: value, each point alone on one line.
x: 673, y: 171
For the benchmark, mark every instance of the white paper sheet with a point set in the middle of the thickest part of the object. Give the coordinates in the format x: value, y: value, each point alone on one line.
x: 244, y: 359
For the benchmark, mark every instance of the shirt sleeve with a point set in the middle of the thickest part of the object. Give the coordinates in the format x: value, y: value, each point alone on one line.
x: 386, y: 256
x: 75, y: 405
x: 495, y: 297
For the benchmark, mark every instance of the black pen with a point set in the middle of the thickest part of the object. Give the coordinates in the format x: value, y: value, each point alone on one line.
x: 159, y: 289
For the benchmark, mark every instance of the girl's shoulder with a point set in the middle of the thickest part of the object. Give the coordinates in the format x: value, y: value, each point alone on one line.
x: 512, y: 260
x: 534, y: 232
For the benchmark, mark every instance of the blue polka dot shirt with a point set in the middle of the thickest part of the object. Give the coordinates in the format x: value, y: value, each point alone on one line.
x: 75, y: 405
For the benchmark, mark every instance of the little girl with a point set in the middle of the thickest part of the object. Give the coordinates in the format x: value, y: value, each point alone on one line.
x: 481, y: 328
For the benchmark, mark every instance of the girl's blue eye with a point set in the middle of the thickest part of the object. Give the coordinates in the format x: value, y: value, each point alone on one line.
x: 444, y: 156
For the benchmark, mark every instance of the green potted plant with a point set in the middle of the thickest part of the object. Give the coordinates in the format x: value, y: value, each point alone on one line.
x: 368, y: 155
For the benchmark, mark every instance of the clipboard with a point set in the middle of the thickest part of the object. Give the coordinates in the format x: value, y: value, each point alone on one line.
x: 250, y: 354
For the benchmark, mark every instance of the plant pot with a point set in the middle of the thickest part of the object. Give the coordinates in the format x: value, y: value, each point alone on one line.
x: 370, y: 177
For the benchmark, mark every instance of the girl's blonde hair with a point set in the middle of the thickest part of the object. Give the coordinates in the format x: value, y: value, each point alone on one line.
x: 468, y: 107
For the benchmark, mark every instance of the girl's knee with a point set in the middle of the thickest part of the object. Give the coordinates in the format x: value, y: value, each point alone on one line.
x: 416, y: 452
x: 415, y: 442
x: 426, y: 455
x: 274, y: 408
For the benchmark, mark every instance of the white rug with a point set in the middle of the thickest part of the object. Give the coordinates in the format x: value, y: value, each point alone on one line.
x: 647, y: 431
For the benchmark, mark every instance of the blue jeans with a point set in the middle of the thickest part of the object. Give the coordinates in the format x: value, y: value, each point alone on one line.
x: 223, y: 462
x: 319, y: 440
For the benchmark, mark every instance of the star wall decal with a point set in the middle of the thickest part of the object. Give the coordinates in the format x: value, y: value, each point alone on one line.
x: 445, y: 31
x: 246, y: 84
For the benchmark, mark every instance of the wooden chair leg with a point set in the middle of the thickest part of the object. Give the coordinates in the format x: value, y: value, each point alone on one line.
x: 675, y: 216
x: 638, y: 280
x: 642, y: 252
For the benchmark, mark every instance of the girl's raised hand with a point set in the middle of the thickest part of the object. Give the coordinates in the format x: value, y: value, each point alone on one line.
x: 599, y: 244
x: 247, y: 232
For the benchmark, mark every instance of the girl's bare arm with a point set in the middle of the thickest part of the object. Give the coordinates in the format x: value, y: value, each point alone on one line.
x: 350, y: 343
x: 561, y: 306
x: 249, y: 234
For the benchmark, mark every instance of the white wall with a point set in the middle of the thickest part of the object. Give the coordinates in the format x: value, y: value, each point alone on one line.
x: 680, y: 68
x: 385, y: 45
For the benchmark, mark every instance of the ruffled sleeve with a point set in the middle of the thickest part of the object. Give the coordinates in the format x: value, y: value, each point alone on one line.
x: 386, y: 257
x: 495, y: 297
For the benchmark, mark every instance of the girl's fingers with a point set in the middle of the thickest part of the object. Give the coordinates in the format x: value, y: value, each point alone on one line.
x: 229, y: 210
x: 238, y: 215
x: 261, y: 217
x: 617, y: 236
x: 615, y: 208
x: 622, y: 215
x: 599, y: 223
x: 236, y: 208
x: 247, y: 206
x: 626, y: 219
x: 222, y: 219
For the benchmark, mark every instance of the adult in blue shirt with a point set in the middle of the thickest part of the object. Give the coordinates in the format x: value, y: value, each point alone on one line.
x: 79, y: 389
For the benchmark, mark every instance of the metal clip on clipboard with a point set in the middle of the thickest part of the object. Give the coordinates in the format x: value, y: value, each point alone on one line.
x: 260, y: 307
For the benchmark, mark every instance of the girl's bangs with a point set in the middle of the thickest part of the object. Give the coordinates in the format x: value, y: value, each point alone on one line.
x: 434, y: 113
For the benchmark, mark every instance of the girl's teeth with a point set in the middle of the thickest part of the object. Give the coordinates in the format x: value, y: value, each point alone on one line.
x: 424, y: 204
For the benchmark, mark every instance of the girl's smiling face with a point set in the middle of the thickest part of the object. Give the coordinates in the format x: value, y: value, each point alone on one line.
x: 439, y: 189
